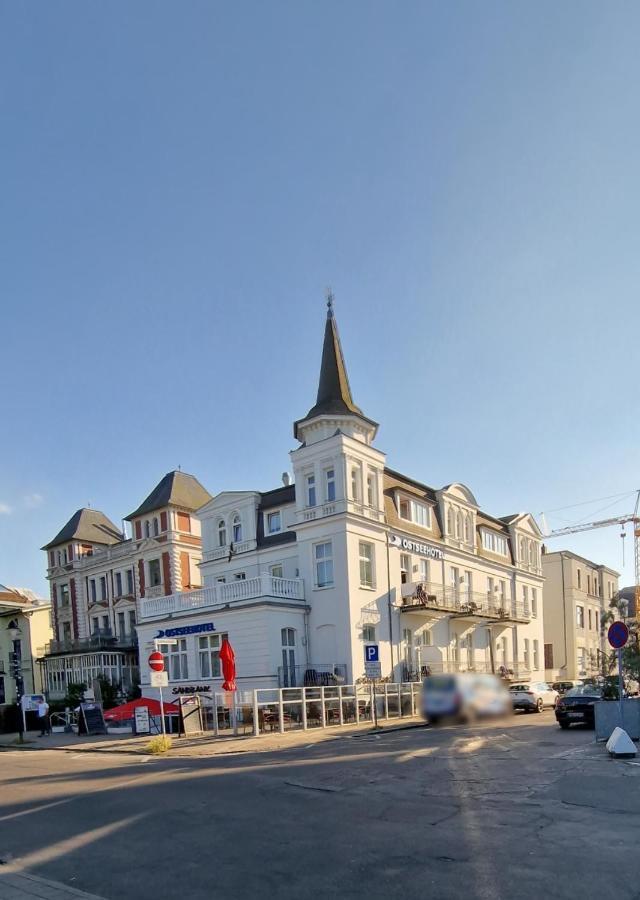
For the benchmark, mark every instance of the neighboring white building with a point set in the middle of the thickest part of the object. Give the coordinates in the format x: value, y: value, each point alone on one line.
x: 352, y: 552
x: 97, y: 575
x: 578, y: 592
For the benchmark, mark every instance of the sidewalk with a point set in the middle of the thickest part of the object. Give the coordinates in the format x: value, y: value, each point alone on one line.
x: 205, y: 745
x: 26, y: 887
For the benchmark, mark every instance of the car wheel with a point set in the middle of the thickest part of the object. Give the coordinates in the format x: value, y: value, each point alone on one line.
x: 539, y: 704
x: 433, y: 720
x: 563, y: 725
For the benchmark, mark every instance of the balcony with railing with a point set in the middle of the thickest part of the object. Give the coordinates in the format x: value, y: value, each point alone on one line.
x: 335, y: 507
x: 266, y: 587
x: 508, y: 670
x: 438, y: 599
x: 102, y: 639
x: 228, y: 551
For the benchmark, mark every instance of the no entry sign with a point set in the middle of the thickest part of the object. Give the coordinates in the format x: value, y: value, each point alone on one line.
x: 156, y: 662
x: 618, y: 635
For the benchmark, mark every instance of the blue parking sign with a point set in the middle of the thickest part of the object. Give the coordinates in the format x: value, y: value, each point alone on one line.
x: 371, y: 653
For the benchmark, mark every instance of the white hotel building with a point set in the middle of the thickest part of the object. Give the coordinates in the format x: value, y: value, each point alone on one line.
x: 351, y: 552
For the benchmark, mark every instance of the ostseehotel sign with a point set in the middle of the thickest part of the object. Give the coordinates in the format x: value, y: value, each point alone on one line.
x: 396, y: 540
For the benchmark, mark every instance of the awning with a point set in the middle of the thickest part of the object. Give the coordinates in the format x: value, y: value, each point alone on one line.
x: 127, y: 710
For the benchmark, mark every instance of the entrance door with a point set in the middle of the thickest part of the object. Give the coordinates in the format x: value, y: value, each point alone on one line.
x: 288, y: 657
x: 469, y: 650
x: 407, y: 639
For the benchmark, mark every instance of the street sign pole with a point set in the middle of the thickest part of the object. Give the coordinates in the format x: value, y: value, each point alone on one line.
x: 161, y: 712
x: 618, y: 635
x: 156, y: 664
x: 620, y: 686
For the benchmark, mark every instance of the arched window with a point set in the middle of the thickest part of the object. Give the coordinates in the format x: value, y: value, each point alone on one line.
x: 467, y: 528
x: 531, y: 554
x: 147, y: 529
x: 156, y: 529
x: 458, y: 524
x: 523, y: 554
x: 450, y: 521
x: 237, y: 529
x: 222, y: 533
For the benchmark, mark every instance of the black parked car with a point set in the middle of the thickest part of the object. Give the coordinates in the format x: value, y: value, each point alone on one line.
x: 576, y: 706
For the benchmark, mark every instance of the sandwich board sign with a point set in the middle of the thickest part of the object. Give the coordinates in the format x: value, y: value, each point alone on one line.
x: 91, y: 720
x: 191, y: 715
x: 142, y: 723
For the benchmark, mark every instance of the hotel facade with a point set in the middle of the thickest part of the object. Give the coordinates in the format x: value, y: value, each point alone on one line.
x: 347, y: 553
x: 98, y: 576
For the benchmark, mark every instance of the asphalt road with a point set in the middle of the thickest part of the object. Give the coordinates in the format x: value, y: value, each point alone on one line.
x: 517, y: 809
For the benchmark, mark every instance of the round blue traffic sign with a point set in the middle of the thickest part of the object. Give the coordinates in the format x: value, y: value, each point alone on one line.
x: 618, y: 635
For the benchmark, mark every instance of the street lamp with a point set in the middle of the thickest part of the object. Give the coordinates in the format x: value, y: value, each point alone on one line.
x: 16, y: 672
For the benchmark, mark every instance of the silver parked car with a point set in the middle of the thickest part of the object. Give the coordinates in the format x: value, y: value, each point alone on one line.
x: 533, y: 696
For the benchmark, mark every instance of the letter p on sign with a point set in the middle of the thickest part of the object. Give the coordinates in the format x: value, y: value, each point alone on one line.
x: 371, y: 653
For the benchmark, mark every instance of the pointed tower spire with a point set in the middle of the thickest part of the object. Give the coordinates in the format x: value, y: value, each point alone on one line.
x: 334, y: 392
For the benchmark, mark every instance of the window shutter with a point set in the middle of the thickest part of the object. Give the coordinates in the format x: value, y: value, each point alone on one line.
x: 166, y: 571
x: 138, y: 530
x: 163, y: 521
x: 185, y: 570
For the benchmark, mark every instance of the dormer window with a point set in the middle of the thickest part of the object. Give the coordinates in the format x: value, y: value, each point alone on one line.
x: 494, y: 543
x: 156, y: 528
x: 467, y: 528
x: 274, y: 522
x: 237, y: 529
x: 414, y: 511
x: 222, y: 533
x: 147, y: 529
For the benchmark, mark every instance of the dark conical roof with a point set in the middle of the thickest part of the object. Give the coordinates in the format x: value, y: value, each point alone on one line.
x: 334, y: 392
x: 87, y: 525
x: 175, y: 489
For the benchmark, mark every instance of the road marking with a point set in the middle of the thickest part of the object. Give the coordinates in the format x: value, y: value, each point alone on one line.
x: 573, y: 751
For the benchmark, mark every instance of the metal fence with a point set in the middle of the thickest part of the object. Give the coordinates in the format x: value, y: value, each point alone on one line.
x: 268, y: 710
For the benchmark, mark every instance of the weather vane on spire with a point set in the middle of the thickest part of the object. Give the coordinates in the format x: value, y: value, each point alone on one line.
x: 329, y: 302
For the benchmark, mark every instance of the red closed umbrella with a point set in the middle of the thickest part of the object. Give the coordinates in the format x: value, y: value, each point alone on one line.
x: 228, y: 658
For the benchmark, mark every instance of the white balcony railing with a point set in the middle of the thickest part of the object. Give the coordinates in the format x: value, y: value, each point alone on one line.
x: 229, y: 550
x: 220, y: 594
x: 154, y: 590
x: 334, y: 507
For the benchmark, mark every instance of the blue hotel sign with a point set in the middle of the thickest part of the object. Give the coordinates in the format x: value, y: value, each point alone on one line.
x: 186, y: 629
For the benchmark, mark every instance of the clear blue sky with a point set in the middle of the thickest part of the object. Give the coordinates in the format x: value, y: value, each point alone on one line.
x: 180, y: 181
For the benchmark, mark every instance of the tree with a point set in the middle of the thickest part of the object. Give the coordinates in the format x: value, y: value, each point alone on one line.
x: 109, y: 691
x: 75, y: 694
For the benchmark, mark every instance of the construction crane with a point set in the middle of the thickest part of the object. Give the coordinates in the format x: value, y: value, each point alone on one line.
x: 605, y: 523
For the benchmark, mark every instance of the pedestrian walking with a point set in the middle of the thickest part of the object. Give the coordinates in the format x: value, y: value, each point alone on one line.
x: 43, y: 717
